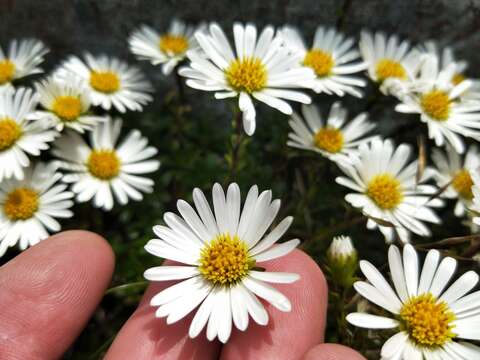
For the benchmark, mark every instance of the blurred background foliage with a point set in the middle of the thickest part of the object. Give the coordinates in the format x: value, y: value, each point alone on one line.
x: 199, y: 143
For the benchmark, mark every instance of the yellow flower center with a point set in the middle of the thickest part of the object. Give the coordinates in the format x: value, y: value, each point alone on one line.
x: 329, y: 139
x: 21, y: 204
x: 462, y: 183
x: 385, y: 191
x: 320, y: 61
x: 7, y: 71
x: 458, y: 78
x: 103, y: 164
x: 388, y: 68
x: 248, y: 75
x: 173, y: 44
x: 105, y: 81
x: 428, y: 321
x: 436, y: 104
x: 10, y: 132
x: 225, y: 260
x: 68, y: 108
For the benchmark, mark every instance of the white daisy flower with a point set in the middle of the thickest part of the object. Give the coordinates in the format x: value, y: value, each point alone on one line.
x: 28, y: 207
x: 105, y: 166
x: 330, y: 57
x: 335, y: 138
x: 431, y: 321
x: 168, y: 48
x: 66, y: 103
x: 455, y: 171
x: 111, y: 82
x: 446, y: 57
x: 222, y: 251
x: 20, y: 136
x: 391, y: 63
x: 385, y: 189
x: 437, y: 101
x: 21, y: 59
x: 260, y: 68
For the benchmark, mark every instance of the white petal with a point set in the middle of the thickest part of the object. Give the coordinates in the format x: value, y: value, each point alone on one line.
x: 369, y: 321
x: 268, y: 293
x: 162, y: 273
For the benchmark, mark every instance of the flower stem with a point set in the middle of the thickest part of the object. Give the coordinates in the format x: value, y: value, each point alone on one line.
x: 236, y: 145
x: 180, y: 87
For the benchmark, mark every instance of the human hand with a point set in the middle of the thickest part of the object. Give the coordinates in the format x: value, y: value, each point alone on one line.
x: 49, y: 292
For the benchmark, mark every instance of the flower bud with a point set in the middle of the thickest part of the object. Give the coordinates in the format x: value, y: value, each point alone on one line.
x: 342, y: 261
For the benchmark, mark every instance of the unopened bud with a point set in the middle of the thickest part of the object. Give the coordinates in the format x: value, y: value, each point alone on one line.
x: 342, y: 261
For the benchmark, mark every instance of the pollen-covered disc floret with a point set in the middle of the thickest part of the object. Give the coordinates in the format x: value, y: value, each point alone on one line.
x: 21, y: 204
x: 320, y: 61
x: 10, y: 132
x: 385, y: 191
x: 462, y: 183
x: 107, y: 167
x: 225, y: 260
x: 173, y: 44
x: 105, y: 81
x: 257, y: 68
x: 248, y: 75
x: 430, y: 319
x: 168, y: 48
x: 436, y: 104
x: 67, y: 107
x: 333, y: 58
x: 334, y: 138
x: 7, y: 71
x: 111, y: 82
x: 29, y: 208
x: 219, y: 253
x: 103, y: 164
x: 385, y: 187
x: 388, y: 68
x: 329, y: 139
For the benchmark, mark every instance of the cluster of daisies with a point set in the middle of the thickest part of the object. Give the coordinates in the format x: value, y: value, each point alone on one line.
x: 67, y: 115
x: 221, y: 249
x: 276, y: 67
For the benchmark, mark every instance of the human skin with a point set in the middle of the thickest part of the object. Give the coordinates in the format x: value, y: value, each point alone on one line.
x: 51, y: 290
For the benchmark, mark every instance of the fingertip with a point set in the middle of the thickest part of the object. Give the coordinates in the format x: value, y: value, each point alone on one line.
x: 332, y: 352
x: 50, y: 291
x: 91, y: 244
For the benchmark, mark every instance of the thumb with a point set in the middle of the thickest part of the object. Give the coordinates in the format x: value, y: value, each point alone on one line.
x: 332, y: 352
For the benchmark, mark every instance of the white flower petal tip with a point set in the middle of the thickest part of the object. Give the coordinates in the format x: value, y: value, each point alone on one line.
x: 223, y: 295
